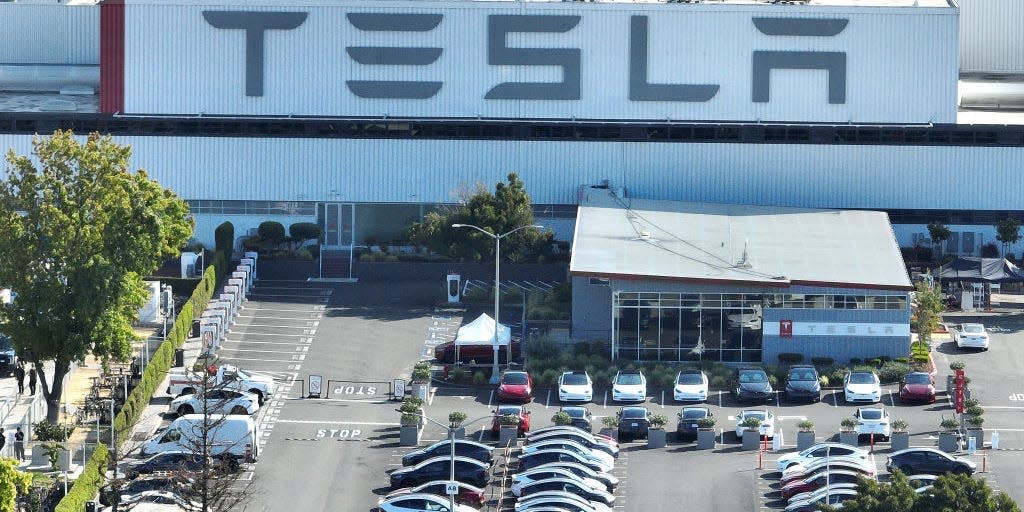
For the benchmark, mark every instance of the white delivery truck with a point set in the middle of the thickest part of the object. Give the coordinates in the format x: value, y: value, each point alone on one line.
x: 226, y: 435
x: 226, y: 377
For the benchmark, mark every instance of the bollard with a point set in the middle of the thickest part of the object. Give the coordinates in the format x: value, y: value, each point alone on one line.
x: 760, y: 459
x: 984, y: 463
x: 872, y: 446
x: 995, y: 440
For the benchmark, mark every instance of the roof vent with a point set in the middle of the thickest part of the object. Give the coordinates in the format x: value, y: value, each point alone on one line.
x: 645, y: 235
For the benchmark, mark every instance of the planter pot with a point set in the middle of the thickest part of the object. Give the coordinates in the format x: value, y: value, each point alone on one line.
x: 899, y: 441
x: 850, y: 438
x: 460, y: 433
x: 751, y: 439
x: 979, y: 437
x: 805, y: 440
x: 508, y: 435
x: 949, y: 442
x: 656, y: 438
x: 409, y: 435
x: 706, y: 439
x: 420, y: 390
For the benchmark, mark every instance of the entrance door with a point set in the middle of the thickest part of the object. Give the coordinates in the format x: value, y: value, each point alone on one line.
x: 336, y: 221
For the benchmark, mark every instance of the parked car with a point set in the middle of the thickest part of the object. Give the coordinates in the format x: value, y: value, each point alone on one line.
x: 182, y: 461
x: 862, y: 387
x: 559, y: 500
x: 767, y: 427
x: 922, y: 482
x: 609, y: 480
x: 575, y: 387
x: 969, y: 336
x: 690, y: 386
x: 419, y: 502
x: 834, y: 496
x: 593, y: 441
x: 629, y: 387
x: 564, y: 484
x: 851, y: 462
x: 633, y: 423
x: 752, y: 384
x: 482, y: 354
x: 534, y: 459
x: 566, y: 444
x: 516, y: 410
x: 917, y: 387
x: 8, y: 360
x: 470, y: 471
x: 164, y: 499
x: 802, y: 383
x: 467, y: 495
x: 216, y: 401
x: 581, y: 417
x: 818, y: 480
x: 872, y: 420
x: 227, y: 436
x: 818, y: 451
x: 928, y: 460
x: 686, y: 427
x: 171, y: 482
x: 515, y: 386
x: 539, y: 474
x: 463, y: 448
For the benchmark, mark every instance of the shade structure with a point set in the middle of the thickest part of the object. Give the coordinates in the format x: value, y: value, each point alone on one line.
x: 981, y: 270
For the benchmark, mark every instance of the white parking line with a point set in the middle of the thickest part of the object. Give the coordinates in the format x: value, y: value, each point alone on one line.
x: 270, y: 334
x: 289, y: 343
x: 266, y: 360
x: 277, y: 326
x: 262, y: 351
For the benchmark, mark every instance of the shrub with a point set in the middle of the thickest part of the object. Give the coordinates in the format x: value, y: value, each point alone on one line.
x: 990, y: 250
x: 971, y: 402
x: 224, y: 237
x: 848, y: 424
x: 837, y: 374
x: 904, y: 360
x: 949, y: 424
x: 806, y: 426
x: 900, y: 425
x: 46, y: 431
x: 479, y: 379
x: 823, y: 381
x: 302, y: 254
x: 975, y: 410
x: 822, y: 361
x: 892, y: 371
x: 854, y: 361
x: 876, y: 362
x: 751, y: 422
x: 302, y: 231
x: 561, y: 418
x: 548, y: 378
x: 658, y: 421
x: 459, y: 374
x: 610, y: 421
x: 87, y: 484
x: 421, y: 371
x: 791, y: 357
x: 456, y: 418
x: 957, y: 365
x: 708, y: 422
x: 975, y: 421
x: 271, y: 231
x: 718, y: 382
x: 508, y: 419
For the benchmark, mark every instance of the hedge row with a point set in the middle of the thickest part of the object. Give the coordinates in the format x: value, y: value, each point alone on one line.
x: 88, y: 484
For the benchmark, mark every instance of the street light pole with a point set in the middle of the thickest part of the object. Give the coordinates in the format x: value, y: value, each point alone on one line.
x: 497, y: 287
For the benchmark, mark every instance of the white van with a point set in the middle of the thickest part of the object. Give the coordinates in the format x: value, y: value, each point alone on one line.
x: 233, y: 435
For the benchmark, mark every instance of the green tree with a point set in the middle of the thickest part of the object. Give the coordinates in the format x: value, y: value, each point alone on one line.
x: 927, y: 310
x: 509, y: 207
x: 1008, y: 232
x: 939, y: 233
x: 12, y: 483
x: 953, y: 493
x: 77, y: 230
x: 895, y: 496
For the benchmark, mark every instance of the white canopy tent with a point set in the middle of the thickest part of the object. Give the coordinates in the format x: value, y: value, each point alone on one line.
x: 481, y: 332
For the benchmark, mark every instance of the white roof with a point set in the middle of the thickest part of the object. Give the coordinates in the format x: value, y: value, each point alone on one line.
x: 481, y: 332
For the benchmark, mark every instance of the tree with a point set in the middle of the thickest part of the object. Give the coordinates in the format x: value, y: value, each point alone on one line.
x: 895, y: 496
x: 12, y: 483
x: 506, y: 209
x: 928, y: 310
x: 77, y: 230
x: 949, y: 493
x: 939, y: 233
x: 1008, y: 232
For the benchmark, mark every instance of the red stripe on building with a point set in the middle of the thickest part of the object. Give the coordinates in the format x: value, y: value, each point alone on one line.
x: 112, y: 56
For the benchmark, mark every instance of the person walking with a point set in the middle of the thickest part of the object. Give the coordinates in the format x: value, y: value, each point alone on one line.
x: 3, y: 441
x: 19, y: 445
x: 32, y: 381
x: 19, y: 374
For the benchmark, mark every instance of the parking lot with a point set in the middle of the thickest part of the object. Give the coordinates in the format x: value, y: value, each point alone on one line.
x: 340, y: 447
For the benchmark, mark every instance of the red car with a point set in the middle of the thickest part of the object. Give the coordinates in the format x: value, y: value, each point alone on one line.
x: 818, y: 481
x: 518, y: 410
x: 917, y: 387
x: 515, y: 386
x: 445, y: 352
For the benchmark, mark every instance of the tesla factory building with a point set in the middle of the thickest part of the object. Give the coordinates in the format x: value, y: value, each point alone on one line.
x: 362, y: 116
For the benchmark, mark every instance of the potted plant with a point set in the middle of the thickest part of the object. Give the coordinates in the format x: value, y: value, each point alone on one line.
x: 561, y: 418
x: 847, y: 433
x: 508, y: 430
x: 752, y: 433
x: 949, y: 437
x: 412, y: 421
x: 954, y: 366
x: 706, y: 433
x: 611, y: 426
x: 656, y: 437
x: 805, y: 436
x: 421, y: 374
x: 455, y: 419
x: 900, y: 439
x: 975, y: 431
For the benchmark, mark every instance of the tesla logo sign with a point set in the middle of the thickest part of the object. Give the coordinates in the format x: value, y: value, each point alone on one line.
x: 785, y: 328
x: 261, y: 28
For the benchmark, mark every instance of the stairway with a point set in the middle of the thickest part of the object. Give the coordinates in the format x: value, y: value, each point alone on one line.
x: 334, y: 264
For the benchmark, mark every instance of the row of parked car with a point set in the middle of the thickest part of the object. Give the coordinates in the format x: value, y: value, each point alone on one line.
x: 828, y: 472
x: 566, y: 469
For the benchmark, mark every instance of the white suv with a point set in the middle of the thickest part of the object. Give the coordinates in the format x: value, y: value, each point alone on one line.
x: 575, y: 387
x: 629, y: 387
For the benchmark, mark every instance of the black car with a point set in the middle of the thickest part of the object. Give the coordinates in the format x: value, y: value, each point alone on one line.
x: 165, y: 462
x: 172, y: 483
x: 7, y: 358
x: 802, y: 384
x: 633, y: 423
x: 686, y: 427
x: 752, y: 385
x: 564, y: 484
x: 469, y: 471
x: 581, y: 417
x: 532, y: 460
x: 463, y: 448
x: 930, y: 461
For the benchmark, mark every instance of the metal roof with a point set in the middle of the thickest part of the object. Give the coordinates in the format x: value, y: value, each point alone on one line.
x: 733, y: 243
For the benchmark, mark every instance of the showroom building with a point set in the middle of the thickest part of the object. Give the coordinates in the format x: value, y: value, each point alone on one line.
x: 736, y: 283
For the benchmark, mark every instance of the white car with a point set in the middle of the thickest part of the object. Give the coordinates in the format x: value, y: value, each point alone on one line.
x: 594, y: 454
x: 767, y: 428
x: 538, y: 474
x: 691, y: 386
x: 862, y: 387
x: 970, y: 336
x: 553, y: 498
x: 872, y: 420
x: 818, y: 451
x: 217, y: 401
x: 629, y: 387
x: 852, y: 462
x: 418, y: 502
x: 575, y: 387
x: 595, y: 441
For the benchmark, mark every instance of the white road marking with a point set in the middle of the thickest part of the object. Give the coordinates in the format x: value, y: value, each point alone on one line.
x: 276, y: 326
x: 233, y: 350
x: 265, y: 360
x: 333, y: 422
x: 302, y: 319
x: 290, y: 343
x: 272, y: 334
